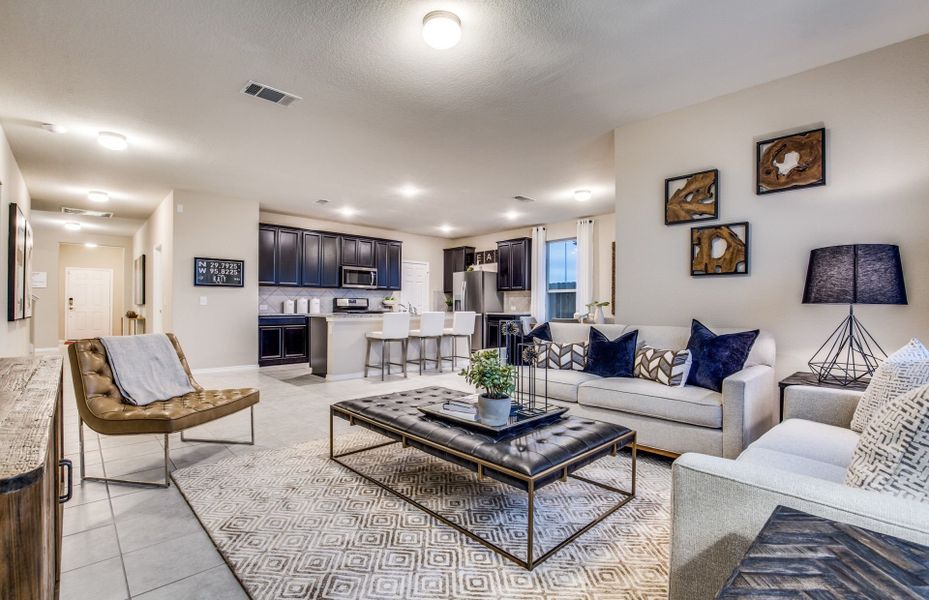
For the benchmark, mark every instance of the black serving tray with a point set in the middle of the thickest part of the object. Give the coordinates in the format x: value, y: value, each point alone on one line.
x: 518, y: 418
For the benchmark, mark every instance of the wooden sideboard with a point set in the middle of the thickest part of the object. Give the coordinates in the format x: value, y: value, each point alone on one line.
x: 35, y: 481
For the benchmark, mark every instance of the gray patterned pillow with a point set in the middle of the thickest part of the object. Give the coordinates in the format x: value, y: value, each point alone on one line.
x: 893, y: 452
x: 669, y: 367
x: 905, y: 369
x: 569, y: 356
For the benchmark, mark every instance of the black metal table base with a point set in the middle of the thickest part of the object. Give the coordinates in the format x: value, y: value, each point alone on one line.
x: 531, y: 561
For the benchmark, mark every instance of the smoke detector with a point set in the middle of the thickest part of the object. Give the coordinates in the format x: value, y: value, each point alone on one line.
x: 266, y: 92
x: 86, y: 213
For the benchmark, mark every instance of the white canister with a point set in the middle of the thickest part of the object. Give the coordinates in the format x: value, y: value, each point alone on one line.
x: 315, y: 306
x: 289, y: 307
x: 303, y: 306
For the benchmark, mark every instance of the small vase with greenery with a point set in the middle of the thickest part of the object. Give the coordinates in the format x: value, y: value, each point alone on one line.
x: 598, y: 313
x: 498, y: 381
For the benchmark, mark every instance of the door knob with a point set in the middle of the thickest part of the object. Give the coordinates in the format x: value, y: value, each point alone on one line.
x: 70, y: 303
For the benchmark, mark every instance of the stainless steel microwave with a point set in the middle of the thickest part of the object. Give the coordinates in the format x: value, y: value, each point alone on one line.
x: 359, y: 277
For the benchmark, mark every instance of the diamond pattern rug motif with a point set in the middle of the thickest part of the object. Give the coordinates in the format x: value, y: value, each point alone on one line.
x: 293, y: 524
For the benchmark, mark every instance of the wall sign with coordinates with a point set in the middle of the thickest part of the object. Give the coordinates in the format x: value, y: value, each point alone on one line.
x: 219, y: 272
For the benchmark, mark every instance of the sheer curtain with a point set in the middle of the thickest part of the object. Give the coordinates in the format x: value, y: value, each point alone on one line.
x: 538, y: 306
x: 585, y: 265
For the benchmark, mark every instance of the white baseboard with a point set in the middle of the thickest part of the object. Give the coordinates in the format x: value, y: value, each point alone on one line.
x: 50, y: 350
x: 344, y: 376
x: 223, y: 369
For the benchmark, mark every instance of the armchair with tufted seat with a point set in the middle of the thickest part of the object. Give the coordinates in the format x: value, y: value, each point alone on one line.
x: 101, y: 406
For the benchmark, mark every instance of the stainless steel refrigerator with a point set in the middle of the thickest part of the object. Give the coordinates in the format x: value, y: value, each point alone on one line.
x: 477, y: 291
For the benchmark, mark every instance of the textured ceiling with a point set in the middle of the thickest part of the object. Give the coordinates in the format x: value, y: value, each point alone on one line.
x: 526, y: 104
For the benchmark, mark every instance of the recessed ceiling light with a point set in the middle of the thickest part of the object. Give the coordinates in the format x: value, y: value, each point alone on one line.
x: 73, y: 226
x: 582, y: 195
x: 347, y: 211
x: 409, y: 190
x: 446, y: 228
x: 441, y: 29
x: 112, y: 140
x: 90, y: 245
x: 512, y: 215
x: 53, y: 128
x: 98, y: 197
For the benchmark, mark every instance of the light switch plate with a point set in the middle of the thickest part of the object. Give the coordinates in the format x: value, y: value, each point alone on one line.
x: 203, y: 301
x: 180, y: 208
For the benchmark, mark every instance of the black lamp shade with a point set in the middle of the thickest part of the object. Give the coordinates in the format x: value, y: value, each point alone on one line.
x: 855, y: 274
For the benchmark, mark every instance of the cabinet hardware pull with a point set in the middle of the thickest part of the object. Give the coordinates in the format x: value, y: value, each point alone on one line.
x: 66, y: 463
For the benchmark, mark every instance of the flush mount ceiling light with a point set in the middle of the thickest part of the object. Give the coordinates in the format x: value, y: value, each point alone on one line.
x: 98, y: 197
x: 73, y: 226
x: 441, y: 29
x: 409, y: 190
x: 112, y: 140
x: 347, y: 211
x: 90, y: 245
x: 53, y: 128
x: 445, y: 228
x: 512, y: 215
x: 582, y: 195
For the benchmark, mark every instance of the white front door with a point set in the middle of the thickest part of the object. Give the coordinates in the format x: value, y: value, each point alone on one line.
x: 414, y: 284
x: 88, y: 302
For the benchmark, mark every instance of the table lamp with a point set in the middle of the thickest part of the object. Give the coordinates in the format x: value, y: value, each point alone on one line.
x: 852, y: 274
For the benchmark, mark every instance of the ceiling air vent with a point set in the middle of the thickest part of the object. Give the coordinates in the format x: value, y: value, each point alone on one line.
x: 523, y: 198
x: 266, y: 92
x: 86, y: 213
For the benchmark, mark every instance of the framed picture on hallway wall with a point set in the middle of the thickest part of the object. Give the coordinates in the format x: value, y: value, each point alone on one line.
x: 16, y: 265
x: 138, y: 281
x: 27, y: 273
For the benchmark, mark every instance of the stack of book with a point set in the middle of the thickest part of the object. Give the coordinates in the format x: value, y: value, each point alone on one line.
x: 463, y: 408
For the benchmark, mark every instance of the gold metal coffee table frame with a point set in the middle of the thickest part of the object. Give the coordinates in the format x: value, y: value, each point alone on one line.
x: 531, y: 560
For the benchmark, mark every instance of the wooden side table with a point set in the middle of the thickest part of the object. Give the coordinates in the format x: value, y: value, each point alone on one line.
x: 806, y: 378
x: 797, y: 555
x: 133, y: 326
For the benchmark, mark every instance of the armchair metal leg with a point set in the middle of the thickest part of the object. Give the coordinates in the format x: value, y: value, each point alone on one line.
x: 147, y: 484
x: 251, y: 442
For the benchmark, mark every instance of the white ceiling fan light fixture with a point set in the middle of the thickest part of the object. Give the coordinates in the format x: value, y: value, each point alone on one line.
x: 73, y: 226
x: 441, y: 29
x: 54, y: 128
x: 582, y: 195
x: 112, y: 140
x: 98, y: 197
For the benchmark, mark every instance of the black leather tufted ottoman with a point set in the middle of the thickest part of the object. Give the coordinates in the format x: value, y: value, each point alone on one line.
x: 528, y: 459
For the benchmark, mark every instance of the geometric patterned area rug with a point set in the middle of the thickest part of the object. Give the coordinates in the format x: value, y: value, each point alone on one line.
x: 293, y: 524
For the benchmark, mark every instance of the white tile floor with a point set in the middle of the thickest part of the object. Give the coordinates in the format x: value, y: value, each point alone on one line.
x: 127, y: 542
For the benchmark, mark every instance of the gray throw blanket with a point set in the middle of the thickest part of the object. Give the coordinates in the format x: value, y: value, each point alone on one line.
x: 146, y: 368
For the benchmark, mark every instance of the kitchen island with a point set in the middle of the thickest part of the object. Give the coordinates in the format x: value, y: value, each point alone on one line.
x: 337, y: 344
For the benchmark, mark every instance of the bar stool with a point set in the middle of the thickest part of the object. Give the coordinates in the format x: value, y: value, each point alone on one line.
x: 431, y: 327
x: 462, y: 327
x: 395, y: 327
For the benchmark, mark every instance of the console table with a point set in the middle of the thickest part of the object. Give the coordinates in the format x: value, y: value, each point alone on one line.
x: 797, y: 555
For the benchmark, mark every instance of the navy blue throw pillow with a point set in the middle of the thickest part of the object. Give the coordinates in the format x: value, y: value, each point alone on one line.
x: 716, y: 357
x: 543, y: 332
x: 608, y: 358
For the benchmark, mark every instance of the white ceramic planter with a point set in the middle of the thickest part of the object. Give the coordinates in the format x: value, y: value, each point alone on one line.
x: 493, y: 411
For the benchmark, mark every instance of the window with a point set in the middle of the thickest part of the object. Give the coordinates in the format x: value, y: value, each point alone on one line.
x: 561, y: 278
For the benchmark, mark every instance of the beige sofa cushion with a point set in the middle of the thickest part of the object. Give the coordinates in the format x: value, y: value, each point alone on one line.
x: 688, y: 404
x: 791, y: 463
x: 562, y: 383
x: 812, y: 440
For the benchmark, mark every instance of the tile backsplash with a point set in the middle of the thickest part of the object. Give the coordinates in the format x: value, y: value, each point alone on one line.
x: 271, y: 298
x: 516, y: 301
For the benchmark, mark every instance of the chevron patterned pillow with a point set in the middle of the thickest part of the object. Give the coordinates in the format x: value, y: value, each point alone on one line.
x: 570, y: 356
x: 669, y: 367
x: 893, y: 451
x: 904, y: 370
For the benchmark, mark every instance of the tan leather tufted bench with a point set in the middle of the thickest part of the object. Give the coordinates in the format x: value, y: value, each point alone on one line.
x: 101, y: 406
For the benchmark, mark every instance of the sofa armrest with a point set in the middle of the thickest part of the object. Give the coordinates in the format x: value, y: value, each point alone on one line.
x: 831, y: 406
x: 720, y: 505
x: 750, y: 407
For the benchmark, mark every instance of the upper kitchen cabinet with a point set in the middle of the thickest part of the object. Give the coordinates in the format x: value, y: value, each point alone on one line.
x: 388, y: 256
x: 357, y: 252
x: 514, y: 265
x: 455, y: 260
x: 279, y: 255
x: 320, y: 260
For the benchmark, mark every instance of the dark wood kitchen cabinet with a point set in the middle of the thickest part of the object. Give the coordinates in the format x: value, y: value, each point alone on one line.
x: 320, y: 260
x: 388, y: 258
x: 282, y: 340
x: 514, y: 265
x: 267, y: 252
x: 279, y: 256
x: 357, y: 252
x: 455, y: 260
x: 330, y: 261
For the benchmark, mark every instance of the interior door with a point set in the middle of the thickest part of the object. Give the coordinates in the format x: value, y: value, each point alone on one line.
x: 88, y: 303
x: 414, y: 284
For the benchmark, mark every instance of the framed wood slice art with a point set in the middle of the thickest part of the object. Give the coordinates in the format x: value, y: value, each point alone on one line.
x: 791, y: 162
x: 719, y: 250
x: 691, y: 197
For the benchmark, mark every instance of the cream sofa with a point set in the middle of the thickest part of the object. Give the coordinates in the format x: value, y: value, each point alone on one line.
x: 671, y: 420
x: 720, y: 505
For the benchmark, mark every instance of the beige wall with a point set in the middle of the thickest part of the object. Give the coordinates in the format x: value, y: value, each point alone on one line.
x: 224, y: 332
x: 14, y: 335
x: 157, y: 231
x: 604, y: 234
x: 875, y: 108
x: 49, y: 326
x: 415, y: 247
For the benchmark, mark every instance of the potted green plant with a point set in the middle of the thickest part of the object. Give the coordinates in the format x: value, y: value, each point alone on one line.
x: 498, y: 380
x: 389, y: 302
x: 598, y: 316
x: 448, y: 303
